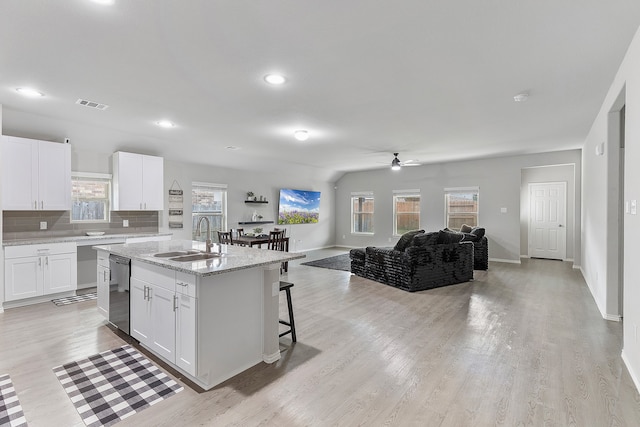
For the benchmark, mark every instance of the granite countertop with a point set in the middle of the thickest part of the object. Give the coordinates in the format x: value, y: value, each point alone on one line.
x: 83, y: 238
x: 232, y: 257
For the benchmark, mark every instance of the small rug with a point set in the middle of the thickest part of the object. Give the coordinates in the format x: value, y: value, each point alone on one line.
x: 115, y: 384
x: 338, y: 262
x: 71, y: 300
x: 11, y: 414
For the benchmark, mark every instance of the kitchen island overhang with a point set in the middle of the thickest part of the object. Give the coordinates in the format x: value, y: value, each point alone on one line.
x: 212, y: 318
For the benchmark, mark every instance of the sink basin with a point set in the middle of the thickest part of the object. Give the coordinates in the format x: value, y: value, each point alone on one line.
x: 195, y: 257
x: 176, y: 253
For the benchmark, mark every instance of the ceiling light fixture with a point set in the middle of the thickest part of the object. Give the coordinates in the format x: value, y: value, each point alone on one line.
x: 274, y: 79
x: 104, y: 2
x: 301, y: 135
x: 165, y: 124
x: 395, y: 163
x: 521, y: 97
x: 31, y: 93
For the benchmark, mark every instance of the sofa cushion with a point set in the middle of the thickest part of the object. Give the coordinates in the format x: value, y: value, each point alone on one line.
x: 425, y: 239
x: 468, y: 237
x: 405, y: 240
x: 478, y: 232
x: 464, y: 228
x: 445, y: 237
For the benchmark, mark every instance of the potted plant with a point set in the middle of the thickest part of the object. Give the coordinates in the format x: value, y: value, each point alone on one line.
x: 251, y: 196
x: 257, y: 230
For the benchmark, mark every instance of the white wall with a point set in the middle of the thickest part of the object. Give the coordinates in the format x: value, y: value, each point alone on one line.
x: 600, y: 183
x: 303, y: 236
x: 499, y: 180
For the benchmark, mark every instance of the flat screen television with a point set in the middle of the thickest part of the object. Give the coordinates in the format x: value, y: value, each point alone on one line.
x: 298, y: 206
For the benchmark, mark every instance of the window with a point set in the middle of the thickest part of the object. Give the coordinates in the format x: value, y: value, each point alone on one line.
x: 208, y: 201
x: 362, y: 213
x: 90, y: 197
x: 406, y: 211
x: 461, y: 207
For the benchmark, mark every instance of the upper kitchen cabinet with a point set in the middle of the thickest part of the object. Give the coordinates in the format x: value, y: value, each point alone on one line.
x: 138, y: 182
x: 36, y: 175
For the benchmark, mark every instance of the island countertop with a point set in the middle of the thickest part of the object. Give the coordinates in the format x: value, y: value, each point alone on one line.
x: 232, y: 257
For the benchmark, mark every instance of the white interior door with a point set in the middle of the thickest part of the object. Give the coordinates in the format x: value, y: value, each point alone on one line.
x: 547, y: 220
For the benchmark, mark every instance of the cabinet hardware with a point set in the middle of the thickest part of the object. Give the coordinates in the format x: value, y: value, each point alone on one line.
x: 145, y: 205
x: 39, y: 262
x: 46, y: 261
x: 140, y: 205
x: 41, y: 204
x: 35, y: 205
x: 175, y: 303
x: 144, y: 292
x: 104, y: 275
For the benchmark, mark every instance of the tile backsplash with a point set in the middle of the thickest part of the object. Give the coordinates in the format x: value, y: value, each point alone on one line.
x: 26, y: 224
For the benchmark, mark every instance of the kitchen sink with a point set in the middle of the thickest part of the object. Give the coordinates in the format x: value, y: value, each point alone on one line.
x: 177, y: 253
x: 195, y: 257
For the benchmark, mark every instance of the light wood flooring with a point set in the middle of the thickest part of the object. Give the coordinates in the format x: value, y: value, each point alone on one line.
x: 522, y: 345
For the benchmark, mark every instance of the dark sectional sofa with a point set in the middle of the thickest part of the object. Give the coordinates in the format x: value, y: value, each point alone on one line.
x: 419, y: 261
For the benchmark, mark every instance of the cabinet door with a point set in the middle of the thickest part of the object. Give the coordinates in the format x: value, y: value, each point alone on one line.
x: 127, y: 187
x: 140, y: 313
x: 186, y: 333
x: 54, y: 176
x: 60, y: 273
x: 163, y: 321
x: 103, y: 291
x: 19, y: 174
x: 22, y: 278
x: 153, y: 183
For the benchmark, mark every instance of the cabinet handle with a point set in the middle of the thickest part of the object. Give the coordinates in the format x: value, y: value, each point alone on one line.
x: 148, y: 293
x: 140, y: 205
x: 144, y: 292
x: 145, y: 205
x: 35, y: 205
x: 41, y: 204
x: 39, y: 262
x: 175, y: 303
x: 46, y: 261
x: 104, y: 275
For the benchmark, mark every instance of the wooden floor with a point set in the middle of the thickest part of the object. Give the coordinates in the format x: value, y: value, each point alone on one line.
x: 522, y: 345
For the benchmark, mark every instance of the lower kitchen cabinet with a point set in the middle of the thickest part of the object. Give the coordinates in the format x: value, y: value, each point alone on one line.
x: 37, y: 270
x: 102, y: 283
x: 186, y: 333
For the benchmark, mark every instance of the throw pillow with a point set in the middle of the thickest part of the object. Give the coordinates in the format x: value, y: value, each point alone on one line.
x: 405, y: 240
x: 425, y: 239
x: 445, y: 237
x: 468, y: 237
x: 478, y: 232
x: 464, y: 228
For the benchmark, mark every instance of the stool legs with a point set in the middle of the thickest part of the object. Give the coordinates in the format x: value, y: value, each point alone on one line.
x: 291, y: 323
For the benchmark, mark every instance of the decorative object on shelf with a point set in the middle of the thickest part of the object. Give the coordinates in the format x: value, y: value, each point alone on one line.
x: 176, y: 199
x: 260, y: 217
x: 254, y: 217
x: 250, y: 196
x: 257, y: 230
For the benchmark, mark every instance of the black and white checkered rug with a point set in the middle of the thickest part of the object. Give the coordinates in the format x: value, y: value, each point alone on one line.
x: 71, y: 300
x: 108, y: 387
x: 10, y: 410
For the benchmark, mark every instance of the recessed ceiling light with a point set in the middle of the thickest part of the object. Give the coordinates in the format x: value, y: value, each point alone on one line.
x: 165, y: 124
x: 31, y: 93
x: 301, y: 135
x: 521, y: 97
x: 274, y: 79
x: 232, y: 147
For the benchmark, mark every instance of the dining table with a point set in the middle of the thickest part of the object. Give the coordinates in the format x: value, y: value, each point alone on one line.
x: 258, y: 241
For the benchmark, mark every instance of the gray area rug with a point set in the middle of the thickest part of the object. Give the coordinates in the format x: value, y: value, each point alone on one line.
x: 338, y: 262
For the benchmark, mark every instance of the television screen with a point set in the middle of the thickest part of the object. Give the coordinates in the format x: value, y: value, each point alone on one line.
x: 298, y: 207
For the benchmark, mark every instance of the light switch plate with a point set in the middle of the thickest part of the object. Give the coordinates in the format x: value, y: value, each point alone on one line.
x: 43, y: 225
x: 125, y: 222
x: 503, y: 210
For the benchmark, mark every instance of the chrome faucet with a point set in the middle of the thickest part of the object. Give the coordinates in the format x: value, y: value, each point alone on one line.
x: 208, y: 242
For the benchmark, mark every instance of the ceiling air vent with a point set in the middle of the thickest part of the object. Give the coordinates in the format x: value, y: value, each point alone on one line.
x: 92, y: 104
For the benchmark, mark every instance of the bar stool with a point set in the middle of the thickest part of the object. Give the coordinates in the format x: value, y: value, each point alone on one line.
x: 286, y: 287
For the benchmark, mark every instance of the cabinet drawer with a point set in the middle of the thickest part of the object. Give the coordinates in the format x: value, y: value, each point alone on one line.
x: 186, y: 284
x: 155, y: 275
x: 37, y: 250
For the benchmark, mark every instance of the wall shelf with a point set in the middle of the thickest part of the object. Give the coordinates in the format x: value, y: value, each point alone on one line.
x: 254, y: 222
x: 256, y: 201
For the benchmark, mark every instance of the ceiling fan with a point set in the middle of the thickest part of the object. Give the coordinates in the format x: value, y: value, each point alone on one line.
x: 396, y: 164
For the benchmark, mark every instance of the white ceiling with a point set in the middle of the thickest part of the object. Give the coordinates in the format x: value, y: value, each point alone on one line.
x: 431, y: 79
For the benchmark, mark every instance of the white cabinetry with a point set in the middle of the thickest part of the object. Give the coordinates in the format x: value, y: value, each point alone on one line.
x: 163, y: 318
x: 36, y: 270
x: 36, y: 175
x: 138, y: 182
x: 103, y: 280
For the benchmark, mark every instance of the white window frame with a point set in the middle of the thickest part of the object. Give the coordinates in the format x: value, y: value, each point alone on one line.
x: 366, y: 195
x: 92, y: 176
x: 453, y: 190
x: 216, y: 187
x: 404, y: 193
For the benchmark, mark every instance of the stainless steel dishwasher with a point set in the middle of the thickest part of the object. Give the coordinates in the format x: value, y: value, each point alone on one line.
x: 119, y: 305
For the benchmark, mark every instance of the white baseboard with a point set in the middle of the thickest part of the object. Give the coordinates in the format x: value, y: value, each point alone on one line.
x: 270, y: 358
x: 509, y: 261
x: 613, y: 317
x: 577, y: 267
x: 634, y: 377
x: 524, y: 256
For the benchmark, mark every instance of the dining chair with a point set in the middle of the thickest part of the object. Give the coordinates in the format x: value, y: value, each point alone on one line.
x: 225, y: 237
x: 235, y: 233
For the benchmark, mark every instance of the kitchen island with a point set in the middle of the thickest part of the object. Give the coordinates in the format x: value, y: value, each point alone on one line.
x: 211, y: 316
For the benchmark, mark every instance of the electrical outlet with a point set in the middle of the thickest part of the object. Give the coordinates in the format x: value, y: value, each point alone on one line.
x: 43, y: 225
x: 344, y: 237
x: 125, y: 222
